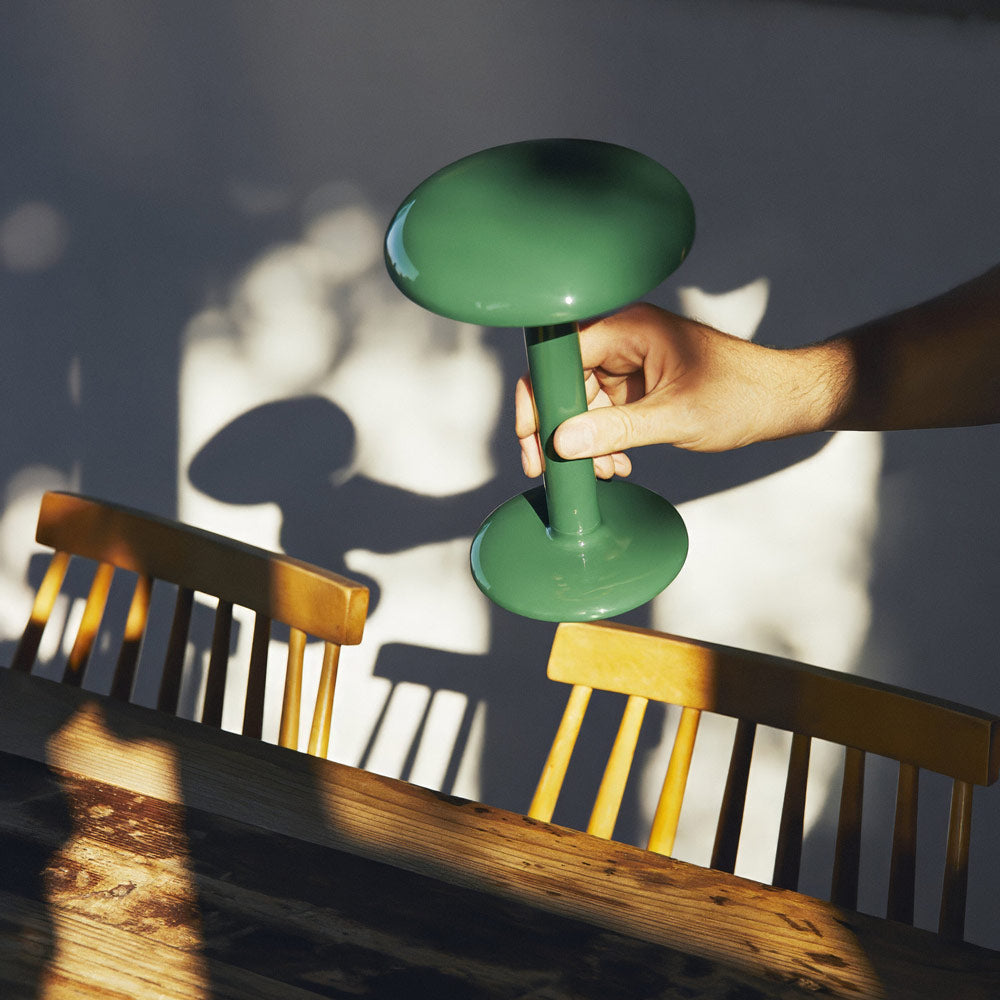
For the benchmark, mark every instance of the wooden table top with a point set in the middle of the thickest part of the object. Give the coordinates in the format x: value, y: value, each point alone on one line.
x: 146, y: 856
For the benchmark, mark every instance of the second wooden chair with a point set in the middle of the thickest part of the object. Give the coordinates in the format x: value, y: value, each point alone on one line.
x: 276, y: 588
x: 863, y: 716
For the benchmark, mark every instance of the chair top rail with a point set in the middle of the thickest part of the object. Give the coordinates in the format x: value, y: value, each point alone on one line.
x: 318, y: 601
x: 880, y: 718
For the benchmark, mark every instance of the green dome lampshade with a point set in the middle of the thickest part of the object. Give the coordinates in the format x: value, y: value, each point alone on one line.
x: 539, y: 232
x: 542, y: 234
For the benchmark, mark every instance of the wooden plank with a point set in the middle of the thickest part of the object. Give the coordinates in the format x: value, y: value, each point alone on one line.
x: 786, y: 938
x: 95, y: 961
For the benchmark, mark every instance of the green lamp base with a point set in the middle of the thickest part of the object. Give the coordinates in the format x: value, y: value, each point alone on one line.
x: 520, y: 563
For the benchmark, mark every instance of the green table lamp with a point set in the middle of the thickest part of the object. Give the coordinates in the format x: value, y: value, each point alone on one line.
x: 542, y: 234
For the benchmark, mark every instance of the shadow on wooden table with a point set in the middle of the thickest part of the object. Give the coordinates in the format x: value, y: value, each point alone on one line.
x: 33, y: 831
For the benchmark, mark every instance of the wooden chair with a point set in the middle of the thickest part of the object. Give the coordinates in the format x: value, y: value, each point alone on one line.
x: 309, y: 600
x: 863, y: 716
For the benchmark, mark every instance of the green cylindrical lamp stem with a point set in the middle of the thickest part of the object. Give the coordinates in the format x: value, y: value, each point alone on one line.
x: 560, y: 393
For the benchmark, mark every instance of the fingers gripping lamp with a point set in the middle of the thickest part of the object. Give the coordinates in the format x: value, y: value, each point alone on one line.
x: 542, y: 234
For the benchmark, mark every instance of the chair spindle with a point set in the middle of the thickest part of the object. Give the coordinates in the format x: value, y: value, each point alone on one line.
x: 956, y: 867
x: 847, y: 855
x: 663, y: 831
x: 727, y: 833
x: 135, y: 629
x: 90, y: 624
x: 173, y: 663
x: 288, y: 729
x: 218, y: 665
x: 612, y: 789
x: 319, y: 733
x: 788, y: 855
x: 903, y: 864
x: 253, y: 709
x: 41, y: 611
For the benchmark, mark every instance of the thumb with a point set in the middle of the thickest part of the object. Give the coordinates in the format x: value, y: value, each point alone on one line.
x: 602, y: 431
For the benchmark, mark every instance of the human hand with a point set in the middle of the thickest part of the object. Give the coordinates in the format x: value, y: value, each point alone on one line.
x: 654, y: 377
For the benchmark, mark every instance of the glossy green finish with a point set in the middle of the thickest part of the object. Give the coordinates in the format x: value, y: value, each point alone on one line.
x: 539, y: 232
x: 557, y: 379
x: 637, y: 550
x: 542, y: 234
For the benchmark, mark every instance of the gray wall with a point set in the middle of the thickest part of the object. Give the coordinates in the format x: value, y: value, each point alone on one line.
x: 191, y: 193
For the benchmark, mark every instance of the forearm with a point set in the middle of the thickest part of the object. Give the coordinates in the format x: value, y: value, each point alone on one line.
x: 655, y: 377
x: 936, y: 364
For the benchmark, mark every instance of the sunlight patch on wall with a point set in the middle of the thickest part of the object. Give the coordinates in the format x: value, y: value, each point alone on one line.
x: 738, y: 311
x: 429, y: 394
x: 430, y: 579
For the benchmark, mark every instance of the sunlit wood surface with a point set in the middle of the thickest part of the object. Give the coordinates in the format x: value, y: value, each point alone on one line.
x: 146, y: 856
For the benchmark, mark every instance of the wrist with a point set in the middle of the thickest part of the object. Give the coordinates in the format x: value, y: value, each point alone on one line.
x: 818, y: 380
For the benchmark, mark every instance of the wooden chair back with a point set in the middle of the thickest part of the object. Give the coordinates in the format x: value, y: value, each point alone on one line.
x: 276, y: 588
x: 863, y: 716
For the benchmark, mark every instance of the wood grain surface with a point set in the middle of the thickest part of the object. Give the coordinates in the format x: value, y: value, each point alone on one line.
x: 149, y: 856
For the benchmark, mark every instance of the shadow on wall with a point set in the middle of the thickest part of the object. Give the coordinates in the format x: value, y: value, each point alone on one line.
x: 254, y: 460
